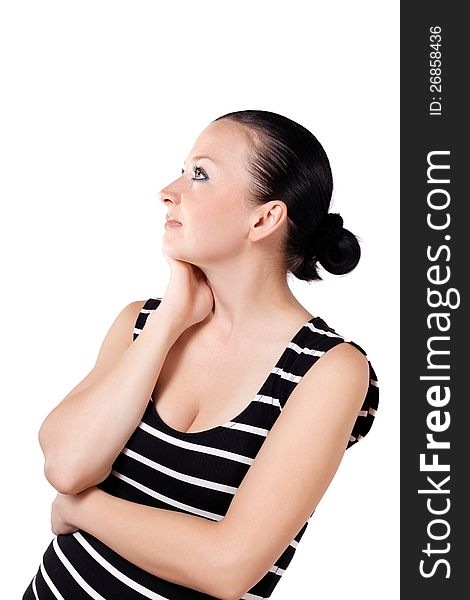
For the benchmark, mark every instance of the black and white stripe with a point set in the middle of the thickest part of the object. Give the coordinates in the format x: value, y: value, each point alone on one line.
x: 197, y: 473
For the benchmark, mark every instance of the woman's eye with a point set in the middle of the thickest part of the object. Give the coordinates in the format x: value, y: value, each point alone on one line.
x: 198, y: 171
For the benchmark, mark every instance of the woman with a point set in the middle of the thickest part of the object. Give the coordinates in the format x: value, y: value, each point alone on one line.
x: 163, y: 491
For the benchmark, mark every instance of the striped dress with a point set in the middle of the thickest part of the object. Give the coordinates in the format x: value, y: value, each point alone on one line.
x: 196, y: 473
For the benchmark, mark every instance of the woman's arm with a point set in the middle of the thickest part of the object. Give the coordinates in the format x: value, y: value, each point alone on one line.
x: 296, y: 463
x: 181, y: 548
x: 82, y: 436
x: 280, y: 491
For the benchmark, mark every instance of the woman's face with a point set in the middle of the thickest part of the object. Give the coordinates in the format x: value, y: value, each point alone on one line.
x: 209, y: 198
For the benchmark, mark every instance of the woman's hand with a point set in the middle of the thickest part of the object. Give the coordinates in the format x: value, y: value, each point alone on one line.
x: 188, y: 297
x: 63, y: 510
x: 59, y: 515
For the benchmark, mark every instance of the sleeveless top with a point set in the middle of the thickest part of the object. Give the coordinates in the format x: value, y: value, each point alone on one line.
x: 191, y: 472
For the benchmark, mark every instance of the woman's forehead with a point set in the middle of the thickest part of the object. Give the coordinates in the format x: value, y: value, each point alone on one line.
x: 221, y: 141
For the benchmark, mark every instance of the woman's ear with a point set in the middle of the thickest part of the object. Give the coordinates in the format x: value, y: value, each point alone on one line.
x: 269, y: 217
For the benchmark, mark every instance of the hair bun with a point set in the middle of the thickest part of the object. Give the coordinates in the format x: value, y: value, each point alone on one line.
x: 327, y: 235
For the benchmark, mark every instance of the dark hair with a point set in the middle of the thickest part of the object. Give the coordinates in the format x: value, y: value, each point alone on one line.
x: 287, y: 162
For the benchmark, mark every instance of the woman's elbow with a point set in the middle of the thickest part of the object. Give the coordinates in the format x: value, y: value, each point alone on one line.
x: 71, y: 481
x: 60, y: 479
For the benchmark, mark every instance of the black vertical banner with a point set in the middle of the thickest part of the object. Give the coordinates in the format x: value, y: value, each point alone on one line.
x: 435, y: 354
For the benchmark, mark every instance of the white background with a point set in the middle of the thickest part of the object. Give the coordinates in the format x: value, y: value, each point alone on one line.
x: 100, y: 104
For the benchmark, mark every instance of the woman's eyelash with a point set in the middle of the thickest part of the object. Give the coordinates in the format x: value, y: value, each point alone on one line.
x: 197, y: 170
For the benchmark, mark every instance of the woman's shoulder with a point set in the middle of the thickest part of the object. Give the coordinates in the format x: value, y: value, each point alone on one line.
x: 143, y: 306
x: 320, y: 335
x: 140, y: 310
x: 150, y: 303
x: 317, y: 339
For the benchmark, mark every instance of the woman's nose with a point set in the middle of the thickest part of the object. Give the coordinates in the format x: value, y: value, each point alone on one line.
x: 166, y: 195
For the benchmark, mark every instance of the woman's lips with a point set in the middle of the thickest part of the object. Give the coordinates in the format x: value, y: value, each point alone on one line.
x: 171, y: 223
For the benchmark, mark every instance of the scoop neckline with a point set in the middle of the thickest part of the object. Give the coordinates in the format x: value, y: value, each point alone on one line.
x: 248, y: 408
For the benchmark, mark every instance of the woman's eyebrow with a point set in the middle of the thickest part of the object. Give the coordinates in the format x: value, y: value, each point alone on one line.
x: 202, y: 156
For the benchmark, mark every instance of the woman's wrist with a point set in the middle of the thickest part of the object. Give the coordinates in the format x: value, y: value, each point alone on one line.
x: 77, y: 505
x: 166, y: 323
